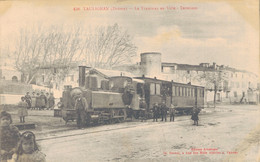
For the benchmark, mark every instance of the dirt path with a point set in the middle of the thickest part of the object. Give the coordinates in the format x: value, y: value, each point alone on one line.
x: 217, y: 135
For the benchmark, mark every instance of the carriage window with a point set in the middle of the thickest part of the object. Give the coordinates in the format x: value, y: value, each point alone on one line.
x: 173, y: 90
x: 186, y: 94
x: 180, y: 91
x: 158, y: 89
x: 152, y: 88
x: 177, y: 91
x: 203, y: 93
x: 188, y: 91
x: 191, y: 92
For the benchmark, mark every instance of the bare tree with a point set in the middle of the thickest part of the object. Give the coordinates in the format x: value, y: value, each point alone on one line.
x: 108, y: 46
x: 52, y: 48
x: 213, y: 80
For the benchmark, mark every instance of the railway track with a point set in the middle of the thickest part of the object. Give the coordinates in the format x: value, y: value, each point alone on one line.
x: 137, y: 124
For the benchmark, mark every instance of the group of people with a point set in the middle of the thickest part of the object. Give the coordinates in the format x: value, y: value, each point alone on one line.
x: 162, y: 110
x: 40, y: 101
x: 16, y: 146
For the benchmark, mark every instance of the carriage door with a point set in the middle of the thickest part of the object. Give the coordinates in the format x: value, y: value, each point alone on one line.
x: 196, y: 97
x: 166, y: 91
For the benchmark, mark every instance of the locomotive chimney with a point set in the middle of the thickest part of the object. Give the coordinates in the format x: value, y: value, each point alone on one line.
x: 82, y: 75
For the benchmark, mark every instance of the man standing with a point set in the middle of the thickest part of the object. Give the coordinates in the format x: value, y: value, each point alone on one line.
x: 43, y: 100
x: 195, y: 116
x: 22, y: 110
x: 28, y: 100
x: 155, y: 111
x: 51, y: 101
x: 164, y: 111
x: 172, y: 112
x: 81, y: 106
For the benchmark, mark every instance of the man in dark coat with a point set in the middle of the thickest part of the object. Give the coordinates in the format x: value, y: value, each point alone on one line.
x: 43, y: 101
x: 28, y: 100
x: 164, y: 111
x: 155, y: 111
x: 172, y: 112
x: 81, y: 106
x: 195, y: 116
x: 143, y: 108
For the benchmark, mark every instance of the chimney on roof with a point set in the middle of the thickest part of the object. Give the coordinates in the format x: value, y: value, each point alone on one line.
x: 214, y: 65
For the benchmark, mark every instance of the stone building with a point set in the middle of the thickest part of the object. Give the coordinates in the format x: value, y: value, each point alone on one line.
x: 238, y: 86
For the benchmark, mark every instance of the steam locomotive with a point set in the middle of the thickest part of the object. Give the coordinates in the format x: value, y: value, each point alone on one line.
x: 119, y: 97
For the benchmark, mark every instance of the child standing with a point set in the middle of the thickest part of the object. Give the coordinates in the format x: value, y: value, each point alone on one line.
x: 22, y: 110
x: 9, y: 136
x: 27, y: 150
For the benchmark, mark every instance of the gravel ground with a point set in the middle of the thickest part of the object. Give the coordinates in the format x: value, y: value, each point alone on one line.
x: 227, y: 133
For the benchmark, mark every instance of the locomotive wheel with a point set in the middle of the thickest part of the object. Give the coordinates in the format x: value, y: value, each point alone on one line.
x: 122, y: 112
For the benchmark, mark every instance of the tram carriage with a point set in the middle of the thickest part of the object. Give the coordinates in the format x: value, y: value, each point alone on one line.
x: 183, y: 96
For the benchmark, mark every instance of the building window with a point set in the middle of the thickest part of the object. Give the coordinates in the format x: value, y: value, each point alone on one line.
x: 231, y: 84
x: 238, y: 85
x: 235, y: 94
x: 227, y: 94
x: 14, y: 79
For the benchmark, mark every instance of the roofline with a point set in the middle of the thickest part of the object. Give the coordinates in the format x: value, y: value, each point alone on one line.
x: 167, y: 81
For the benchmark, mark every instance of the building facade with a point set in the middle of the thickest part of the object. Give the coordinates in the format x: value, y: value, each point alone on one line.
x: 231, y: 85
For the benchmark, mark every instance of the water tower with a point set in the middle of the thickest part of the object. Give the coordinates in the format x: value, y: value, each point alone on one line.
x: 151, y: 64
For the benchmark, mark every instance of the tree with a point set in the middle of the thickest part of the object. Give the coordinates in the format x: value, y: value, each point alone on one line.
x: 49, y: 48
x: 54, y: 49
x: 108, y: 46
x: 213, y: 80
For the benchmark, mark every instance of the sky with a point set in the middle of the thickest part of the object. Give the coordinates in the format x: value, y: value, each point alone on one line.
x: 209, y: 32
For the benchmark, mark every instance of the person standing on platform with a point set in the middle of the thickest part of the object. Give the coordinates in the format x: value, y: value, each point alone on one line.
x: 172, y: 112
x: 51, y: 101
x: 81, y: 106
x: 38, y: 102
x: 47, y: 105
x: 33, y: 99
x: 156, y: 110
x: 28, y: 100
x: 22, y: 109
x: 195, y: 116
x: 164, y: 111
x: 42, y: 101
